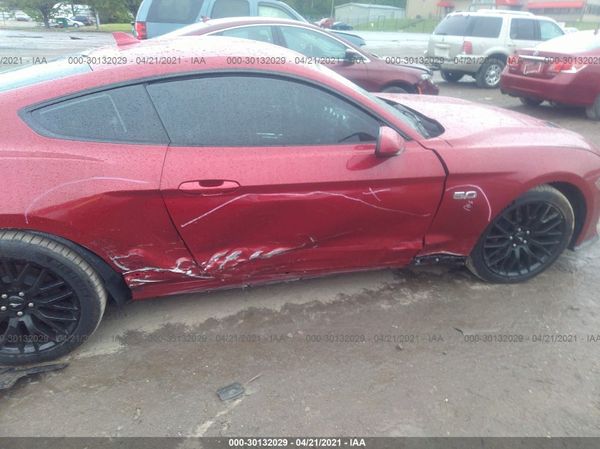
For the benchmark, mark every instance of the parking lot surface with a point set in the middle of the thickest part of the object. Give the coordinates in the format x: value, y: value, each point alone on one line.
x: 412, y: 352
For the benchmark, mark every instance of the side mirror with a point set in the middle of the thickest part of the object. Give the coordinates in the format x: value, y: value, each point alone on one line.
x: 389, y: 142
x: 352, y: 56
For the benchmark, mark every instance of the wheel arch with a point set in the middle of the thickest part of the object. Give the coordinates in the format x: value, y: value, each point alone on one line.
x: 577, y: 201
x: 115, y: 285
x: 402, y: 84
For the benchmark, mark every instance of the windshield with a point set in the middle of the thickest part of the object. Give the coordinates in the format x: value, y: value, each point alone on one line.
x: 572, y: 43
x: 415, y: 120
x: 38, y: 73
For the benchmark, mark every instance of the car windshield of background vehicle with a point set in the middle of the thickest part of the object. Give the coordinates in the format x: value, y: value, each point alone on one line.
x: 38, y: 73
x: 572, y: 43
x: 467, y: 25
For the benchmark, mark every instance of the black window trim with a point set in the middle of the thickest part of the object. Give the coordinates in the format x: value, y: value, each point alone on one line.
x: 25, y: 112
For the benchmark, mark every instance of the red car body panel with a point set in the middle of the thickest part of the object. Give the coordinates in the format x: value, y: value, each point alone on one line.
x: 374, y: 75
x: 579, y: 86
x: 142, y: 210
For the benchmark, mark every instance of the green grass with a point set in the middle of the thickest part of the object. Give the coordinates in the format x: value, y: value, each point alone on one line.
x: 112, y: 27
x: 406, y: 25
x: 104, y: 28
x: 582, y: 26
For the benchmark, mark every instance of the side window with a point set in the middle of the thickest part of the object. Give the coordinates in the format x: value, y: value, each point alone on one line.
x: 313, y: 44
x: 174, y: 11
x: 273, y: 11
x: 125, y: 114
x: 259, y: 111
x: 486, y: 27
x: 230, y: 8
x: 549, y: 30
x: 523, y: 29
x: 255, y: 33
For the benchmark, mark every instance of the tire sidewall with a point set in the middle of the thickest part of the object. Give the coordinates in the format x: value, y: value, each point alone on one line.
x: 476, y: 260
x: 481, y: 75
x: 89, y: 304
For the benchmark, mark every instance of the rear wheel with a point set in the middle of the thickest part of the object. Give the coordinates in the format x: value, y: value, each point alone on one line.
x: 51, y: 300
x: 451, y: 77
x: 530, y: 101
x: 489, y: 73
x: 396, y: 90
x: 593, y: 112
x: 525, y: 239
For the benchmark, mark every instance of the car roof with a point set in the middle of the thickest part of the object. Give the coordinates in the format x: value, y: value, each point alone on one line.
x: 215, y: 24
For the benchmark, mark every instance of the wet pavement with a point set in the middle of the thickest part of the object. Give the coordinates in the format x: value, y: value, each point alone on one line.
x: 428, y: 351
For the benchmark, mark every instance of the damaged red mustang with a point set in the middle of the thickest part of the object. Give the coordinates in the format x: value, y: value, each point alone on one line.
x: 152, y: 169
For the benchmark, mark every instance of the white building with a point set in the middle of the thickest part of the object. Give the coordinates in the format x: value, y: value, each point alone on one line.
x: 356, y: 13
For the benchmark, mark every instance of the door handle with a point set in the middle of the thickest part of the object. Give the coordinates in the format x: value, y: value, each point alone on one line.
x: 208, y: 185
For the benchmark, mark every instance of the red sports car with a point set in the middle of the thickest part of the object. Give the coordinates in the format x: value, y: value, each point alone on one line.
x: 565, y: 70
x: 162, y: 168
x: 320, y: 46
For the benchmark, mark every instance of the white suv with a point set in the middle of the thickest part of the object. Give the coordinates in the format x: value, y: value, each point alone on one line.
x: 479, y: 43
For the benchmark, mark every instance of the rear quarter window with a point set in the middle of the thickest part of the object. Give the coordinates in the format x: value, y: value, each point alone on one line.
x: 174, y: 11
x: 124, y: 114
x: 470, y: 26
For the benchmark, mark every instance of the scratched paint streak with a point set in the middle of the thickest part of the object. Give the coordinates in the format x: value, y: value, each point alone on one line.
x: 79, y: 181
x: 340, y: 195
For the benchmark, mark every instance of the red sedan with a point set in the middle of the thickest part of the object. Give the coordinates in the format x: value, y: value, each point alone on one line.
x: 320, y: 46
x: 565, y: 70
x: 187, y: 165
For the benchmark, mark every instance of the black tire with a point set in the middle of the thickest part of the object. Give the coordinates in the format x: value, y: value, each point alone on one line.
x: 530, y: 101
x: 51, y: 300
x: 525, y: 238
x: 593, y: 112
x: 489, y: 73
x: 396, y: 90
x: 451, y: 77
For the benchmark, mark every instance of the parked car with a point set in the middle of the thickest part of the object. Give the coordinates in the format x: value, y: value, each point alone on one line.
x: 157, y: 17
x: 565, y: 70
x: 155, y: 178
x: 320, y: 46
x: 85, y: 20
x: 479, y: 43
x: 65, y: 22
x: 341, y: 26
x: 20, y: 16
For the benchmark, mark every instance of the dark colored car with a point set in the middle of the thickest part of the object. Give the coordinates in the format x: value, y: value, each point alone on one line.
x: 320, y: 46
x: 565, y: 70
x: 86, y: 20
x: 341, y: 26
x: 201, y: 164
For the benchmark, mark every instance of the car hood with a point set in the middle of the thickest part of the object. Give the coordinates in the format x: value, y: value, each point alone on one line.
x: 476, y: 125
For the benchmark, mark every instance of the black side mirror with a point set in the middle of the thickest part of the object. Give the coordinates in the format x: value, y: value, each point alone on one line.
x: 352, y: 56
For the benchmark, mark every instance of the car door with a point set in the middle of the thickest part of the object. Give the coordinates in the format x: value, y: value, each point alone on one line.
x: 326, y: 50
x: 268, y: 175
x: 524, y: 33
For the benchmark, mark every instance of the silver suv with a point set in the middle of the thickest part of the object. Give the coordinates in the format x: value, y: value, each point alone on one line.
x: 479, y: 43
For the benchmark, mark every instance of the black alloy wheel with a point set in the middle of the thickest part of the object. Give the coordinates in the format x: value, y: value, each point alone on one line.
x: 525, y: 238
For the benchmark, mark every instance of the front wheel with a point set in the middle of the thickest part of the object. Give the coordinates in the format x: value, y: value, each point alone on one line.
x: 593, y: 112
x: 489, y: 73
x: 525, y: 239
x: 396, y: 90
x: 530, y: 101
x: 51, y: 300
x: 451, y: 77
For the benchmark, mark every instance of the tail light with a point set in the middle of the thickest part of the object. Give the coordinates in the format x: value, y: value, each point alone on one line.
x: 140, y: 30
x: 565, y: 67
x: 514, y: 61
x: 467, y: 47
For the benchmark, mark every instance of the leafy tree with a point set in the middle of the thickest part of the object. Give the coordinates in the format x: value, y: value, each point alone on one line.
x: 43, y: 9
